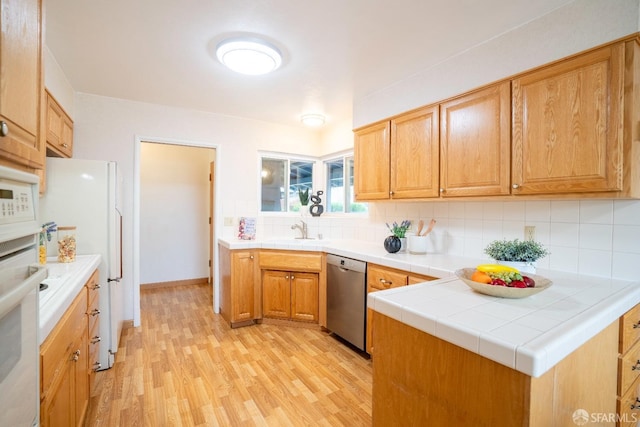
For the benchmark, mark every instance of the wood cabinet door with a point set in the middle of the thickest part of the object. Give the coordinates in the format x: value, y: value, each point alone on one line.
x: 21, y: 77
x: 243, y: 286
x: 304, y: 297
x: 371, y: 151
x: 475, y: 143
x: 276, y: 294
x: 379, y: 279
x: 58, y: 408
x: 81, y: 380
x: 59, y: 129
x: 415, y: 154
x: 567, y: 125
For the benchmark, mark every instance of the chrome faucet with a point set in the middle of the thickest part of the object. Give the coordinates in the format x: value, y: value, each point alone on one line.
x: 302, y: 228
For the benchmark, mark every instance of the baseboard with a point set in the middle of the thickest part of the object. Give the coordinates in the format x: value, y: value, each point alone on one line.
x: 200, y: 281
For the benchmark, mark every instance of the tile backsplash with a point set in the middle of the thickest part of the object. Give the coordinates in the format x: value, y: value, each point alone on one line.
x: 595, y: 237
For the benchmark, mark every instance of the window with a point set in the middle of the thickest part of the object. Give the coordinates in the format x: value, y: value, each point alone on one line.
x: 281, y: 181
x: 339, y: 197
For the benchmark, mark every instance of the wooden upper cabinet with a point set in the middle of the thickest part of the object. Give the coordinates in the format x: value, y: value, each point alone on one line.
x: 59, y: 130
x: 21, y: 83
x: 567, y: 125
x: 371, y: 156
x: 475, y: 143
x: 415, y: 157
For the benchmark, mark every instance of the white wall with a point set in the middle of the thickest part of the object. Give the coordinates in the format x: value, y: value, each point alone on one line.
x: 56, y: 82
x: 108, y: 129
x: 577, y: 26
x: 174, y: 212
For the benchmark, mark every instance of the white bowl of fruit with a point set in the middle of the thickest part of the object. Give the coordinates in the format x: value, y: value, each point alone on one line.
x: 502, y: 281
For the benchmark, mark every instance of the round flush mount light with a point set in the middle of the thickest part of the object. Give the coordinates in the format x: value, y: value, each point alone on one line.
x: 251, y: 56
x: 312, y: 119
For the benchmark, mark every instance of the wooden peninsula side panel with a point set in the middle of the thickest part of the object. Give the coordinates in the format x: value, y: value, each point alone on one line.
x: 421, y: 380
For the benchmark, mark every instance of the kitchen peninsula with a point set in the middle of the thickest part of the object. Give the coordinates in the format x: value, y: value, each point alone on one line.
x: 445, y: 355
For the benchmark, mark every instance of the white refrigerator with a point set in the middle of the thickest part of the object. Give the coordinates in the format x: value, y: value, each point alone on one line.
x: 87, y: 194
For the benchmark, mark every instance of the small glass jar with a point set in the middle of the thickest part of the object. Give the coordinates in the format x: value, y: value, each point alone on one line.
x: 66, y: 244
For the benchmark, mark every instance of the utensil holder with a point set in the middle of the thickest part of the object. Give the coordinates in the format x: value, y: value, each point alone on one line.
x: 418, y: 245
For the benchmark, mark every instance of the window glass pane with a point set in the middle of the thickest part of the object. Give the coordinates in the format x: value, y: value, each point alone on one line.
x: 352, y: 205
x: 335, y: 186
x: 300, y: 179
x: 273, y: 185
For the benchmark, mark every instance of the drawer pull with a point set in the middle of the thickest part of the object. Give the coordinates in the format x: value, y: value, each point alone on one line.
x: 386, y: 283
x: 635, y: 405
x: 95, y: 286
x: 95, y: 312
x: 4, y: 129
x: 76, y: 355
x: 95, y: 340
x: 636, y: 325
x: 636, y: 366
x: 97, y: 366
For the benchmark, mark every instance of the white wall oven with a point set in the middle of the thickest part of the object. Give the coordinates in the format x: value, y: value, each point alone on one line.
x: 20, y: 278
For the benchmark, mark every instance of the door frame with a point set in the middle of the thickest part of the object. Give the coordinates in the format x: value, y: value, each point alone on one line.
x: 216, y: 218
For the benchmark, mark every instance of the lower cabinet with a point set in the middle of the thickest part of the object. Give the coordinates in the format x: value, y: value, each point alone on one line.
x: 239, y: 295
x: 628, y: 405
x: 381, y: 278
x: 290, y: 295
x: 65, y: 371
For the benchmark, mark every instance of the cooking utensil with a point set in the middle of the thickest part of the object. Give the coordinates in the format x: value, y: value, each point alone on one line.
x: 432, y: 223
x: 420, y: 226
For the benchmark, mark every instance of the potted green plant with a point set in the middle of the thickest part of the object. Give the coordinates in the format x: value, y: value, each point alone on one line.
x: 397, y: 242
x: 521, y: 254
x: 303, y: 196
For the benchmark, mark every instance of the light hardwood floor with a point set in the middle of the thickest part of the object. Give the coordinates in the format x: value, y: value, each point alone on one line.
x: 185, y: 367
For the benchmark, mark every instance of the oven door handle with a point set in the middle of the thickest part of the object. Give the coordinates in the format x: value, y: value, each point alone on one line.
x: 11, y: 299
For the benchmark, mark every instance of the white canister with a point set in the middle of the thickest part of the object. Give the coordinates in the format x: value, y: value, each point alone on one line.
x: 418, y: 245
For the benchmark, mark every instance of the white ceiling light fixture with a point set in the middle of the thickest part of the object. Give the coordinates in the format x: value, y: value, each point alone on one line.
x: 312, y: 119
x: 249, y: 55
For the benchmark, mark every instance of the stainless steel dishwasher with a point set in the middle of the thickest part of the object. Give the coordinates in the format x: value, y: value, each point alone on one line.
x: 347, y: 299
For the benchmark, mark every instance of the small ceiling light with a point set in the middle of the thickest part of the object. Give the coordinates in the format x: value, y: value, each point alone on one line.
x: 312, y: 119
x: 249, y: 56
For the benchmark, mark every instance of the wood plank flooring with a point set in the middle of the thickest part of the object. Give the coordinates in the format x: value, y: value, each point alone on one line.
x: 185, y: 367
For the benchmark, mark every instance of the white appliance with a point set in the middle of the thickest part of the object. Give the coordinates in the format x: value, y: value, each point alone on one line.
x: 20, y: 277
x: 87, y: 194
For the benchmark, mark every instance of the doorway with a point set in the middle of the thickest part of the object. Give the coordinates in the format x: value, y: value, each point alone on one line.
x: 175, y: 198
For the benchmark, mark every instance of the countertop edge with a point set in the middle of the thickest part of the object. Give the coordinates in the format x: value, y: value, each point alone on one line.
x: 51, y: 313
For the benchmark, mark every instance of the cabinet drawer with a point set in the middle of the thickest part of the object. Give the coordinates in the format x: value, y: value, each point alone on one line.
x: 628, y: 368
x: 57, y: 348
x: 629, y: 329
x: 290, y: 261
x: 379, y: 279
x: 629, y: 406
x: 93, y: 312
x: 93, y: 287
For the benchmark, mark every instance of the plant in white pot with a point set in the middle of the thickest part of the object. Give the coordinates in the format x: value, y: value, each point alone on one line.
x: 521, y: 254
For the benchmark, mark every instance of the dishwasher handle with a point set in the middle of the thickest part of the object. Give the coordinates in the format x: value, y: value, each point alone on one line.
x: 347, y: 264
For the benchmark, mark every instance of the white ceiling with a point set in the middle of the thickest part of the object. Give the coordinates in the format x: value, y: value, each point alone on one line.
x: 159, y: 51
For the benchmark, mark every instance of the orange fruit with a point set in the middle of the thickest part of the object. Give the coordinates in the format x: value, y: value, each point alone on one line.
x: 479, y: 276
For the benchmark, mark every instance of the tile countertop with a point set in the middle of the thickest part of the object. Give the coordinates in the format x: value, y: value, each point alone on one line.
x: 65, y: 281
x: 530, y: 335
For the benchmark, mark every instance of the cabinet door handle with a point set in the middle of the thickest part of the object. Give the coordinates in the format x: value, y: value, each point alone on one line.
x: 636, y: 325
x: 635, y: 405
x: 95, y: 339
x: 251, y: 257
x: 515, y: 186
x: 4, y: 128
x: 95, y: 312
x: 76, y: 355
x: 391, y: 193
x: 95, y: 286
x: 97, y: 366
x: 442, y: 190
x: 386, y: 283
x: 292, y: 277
